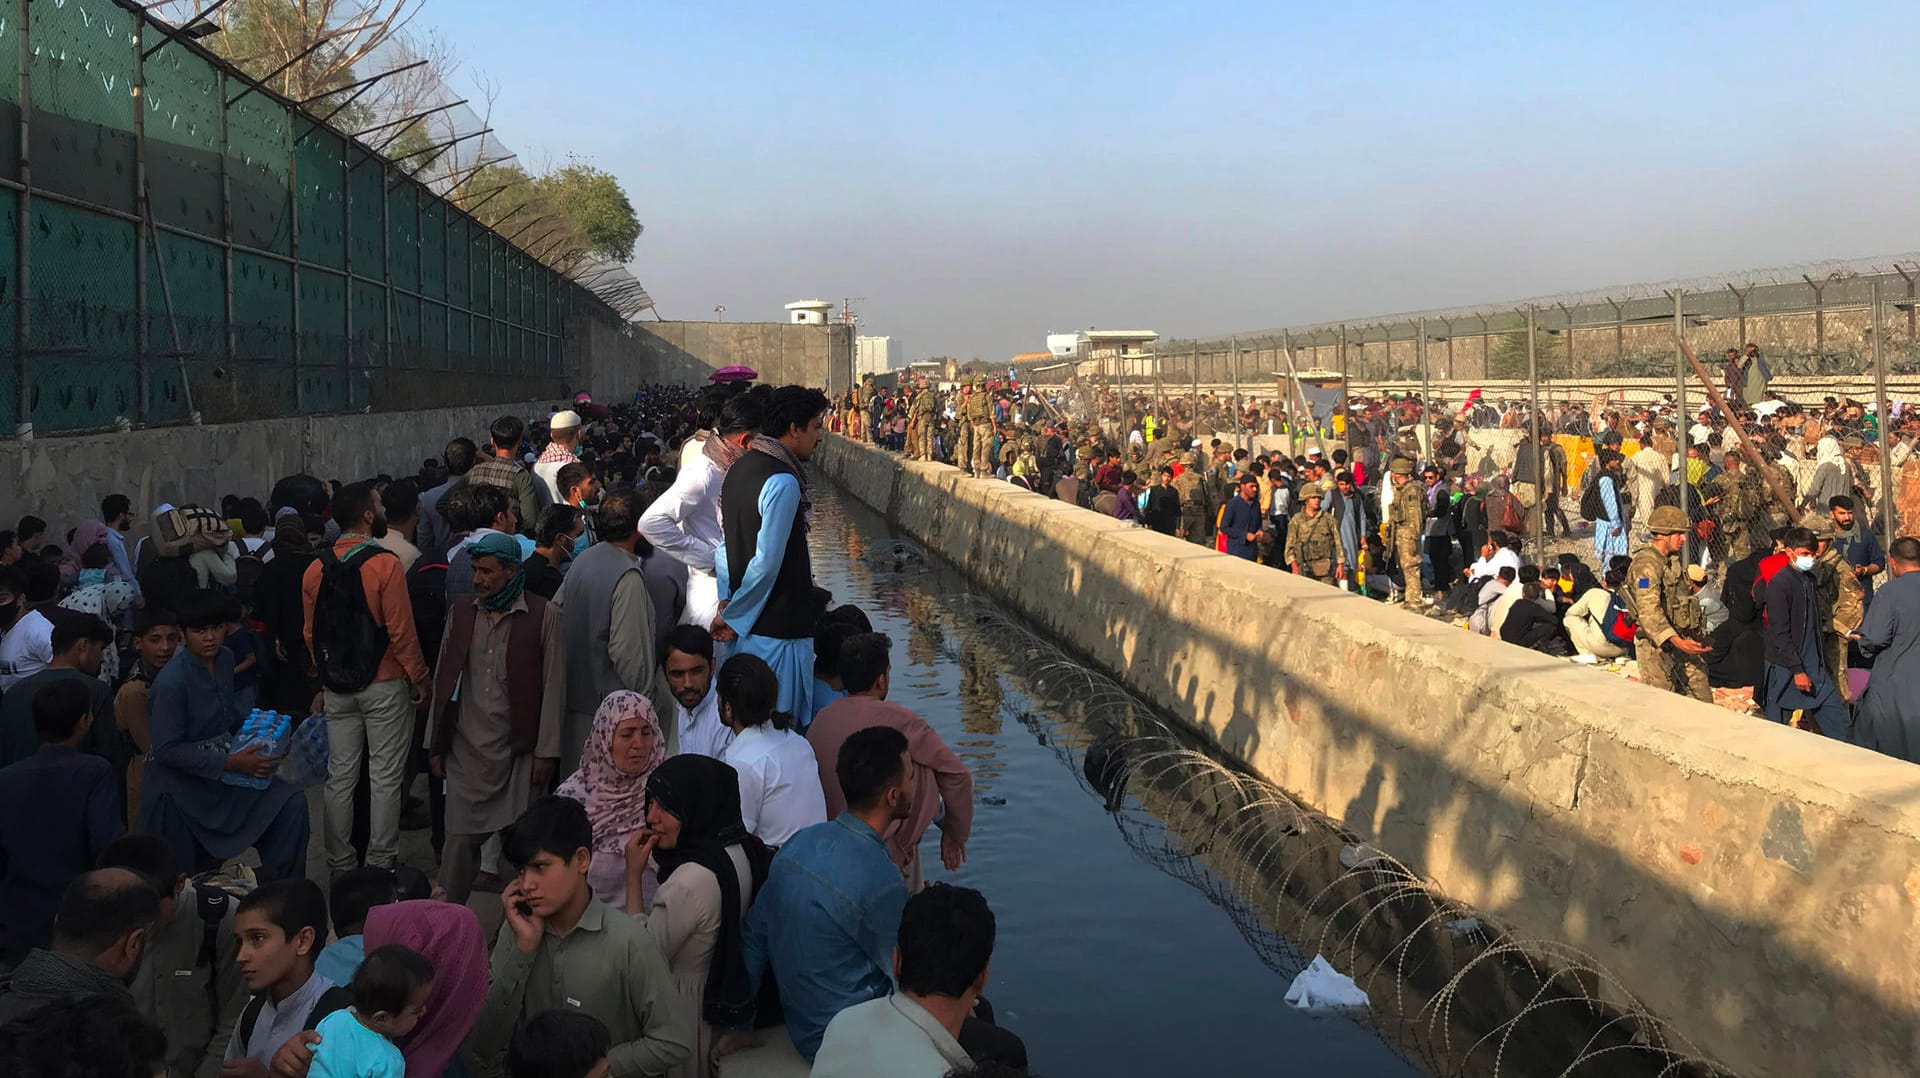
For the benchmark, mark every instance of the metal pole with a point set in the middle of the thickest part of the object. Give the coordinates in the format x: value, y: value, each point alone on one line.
x: 293, y: 249
x: 1881, y: 415
x: 23, y: 241
x: 145, y: 245
x: 1236, y: 394
x: 1426, y: 392
x: 1193, y: 368
x: 1681, y: 424
x: 1539, y: 514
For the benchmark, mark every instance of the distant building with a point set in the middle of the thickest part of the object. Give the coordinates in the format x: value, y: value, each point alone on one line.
x: 1101, y: 343
x: 1107, y: 343
x: 808, y: 312
x: 875, y: 355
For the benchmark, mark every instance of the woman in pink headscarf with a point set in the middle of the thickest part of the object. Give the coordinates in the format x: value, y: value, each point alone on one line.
x: 450, y: 937
x: 623, y: 748
x: 89, y: 534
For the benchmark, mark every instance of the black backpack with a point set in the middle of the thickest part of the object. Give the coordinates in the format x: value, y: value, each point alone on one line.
x: 347, y: 643
x: 247, y: 567
x: 1592, y: 506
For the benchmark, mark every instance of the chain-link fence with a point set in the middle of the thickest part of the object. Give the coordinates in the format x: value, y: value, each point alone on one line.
x: 187, y: 246
x: 1747, y: 402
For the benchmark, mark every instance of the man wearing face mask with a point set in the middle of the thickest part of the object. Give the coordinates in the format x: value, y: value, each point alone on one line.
x: 99, y: 938
x: 581, y: 489
x: 546, y: 569
x: 1800, y: 688
x: 1668, y: 641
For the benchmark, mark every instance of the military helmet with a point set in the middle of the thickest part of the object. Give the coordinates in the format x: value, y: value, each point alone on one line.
x: 1401, y: 466
x: 1822, y: 528
x: 1311, y: 490
x: 1667, y: 520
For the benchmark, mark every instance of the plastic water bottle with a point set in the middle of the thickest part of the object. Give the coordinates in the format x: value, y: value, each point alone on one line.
x: 263, y: 730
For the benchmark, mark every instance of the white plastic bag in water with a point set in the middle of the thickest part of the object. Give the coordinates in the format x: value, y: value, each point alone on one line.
x: 1320, y: 987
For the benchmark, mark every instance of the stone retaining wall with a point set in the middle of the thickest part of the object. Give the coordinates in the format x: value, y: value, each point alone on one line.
x: 1754, y: 885
x: 63, y: 479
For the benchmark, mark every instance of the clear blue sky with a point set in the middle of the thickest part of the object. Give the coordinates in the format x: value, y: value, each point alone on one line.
x: 982, y: 173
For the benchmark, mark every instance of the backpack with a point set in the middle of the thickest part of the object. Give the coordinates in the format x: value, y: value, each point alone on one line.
x: 187, y: 528
x: 1592, y: 505
x: 347, y: 643
x: 427, y: 590
x: 247, y: 567
x: 337, y: 998
x: 1618, y: 624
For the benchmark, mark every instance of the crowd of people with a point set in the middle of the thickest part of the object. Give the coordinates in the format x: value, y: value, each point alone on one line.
x: 1746, y: 562
x: 585, y: 659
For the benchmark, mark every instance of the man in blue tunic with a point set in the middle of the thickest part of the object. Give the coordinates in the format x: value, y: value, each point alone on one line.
x: 766, y: 573
x: 182, y: 798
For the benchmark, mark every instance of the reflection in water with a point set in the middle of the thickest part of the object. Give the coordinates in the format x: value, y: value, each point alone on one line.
x: 1448, y: 990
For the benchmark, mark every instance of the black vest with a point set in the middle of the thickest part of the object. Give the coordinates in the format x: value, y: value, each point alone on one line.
x: 793, y: 610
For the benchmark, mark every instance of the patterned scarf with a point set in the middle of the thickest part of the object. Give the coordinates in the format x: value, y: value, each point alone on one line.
x: 616, y: 802
x: 775, y: 449
x: 721, y: 451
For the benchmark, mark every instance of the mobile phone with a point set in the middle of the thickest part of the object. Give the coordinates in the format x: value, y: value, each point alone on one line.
x: 524, y: 907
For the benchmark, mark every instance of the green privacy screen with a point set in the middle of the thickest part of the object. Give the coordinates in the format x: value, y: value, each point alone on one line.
x: 274, y: 268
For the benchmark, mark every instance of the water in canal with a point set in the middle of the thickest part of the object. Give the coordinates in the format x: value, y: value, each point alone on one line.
x: 1105, y: 963
x: 1154, y: 901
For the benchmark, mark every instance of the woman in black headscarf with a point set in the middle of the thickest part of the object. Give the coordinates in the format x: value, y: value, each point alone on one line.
x: 709, y: 867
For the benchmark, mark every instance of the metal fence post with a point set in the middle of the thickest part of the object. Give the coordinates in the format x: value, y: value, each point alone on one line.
x: 1681, y: 425
x: 1883, y: 416
x: 1193, y: 368
x: 1236, y: 394
x: 1426, y: 391
x: 226, y: 236
x: 22, y: 239
x: 1538, y: 514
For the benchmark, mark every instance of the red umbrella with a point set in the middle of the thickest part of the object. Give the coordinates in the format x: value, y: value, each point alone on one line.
x: 733, y: 374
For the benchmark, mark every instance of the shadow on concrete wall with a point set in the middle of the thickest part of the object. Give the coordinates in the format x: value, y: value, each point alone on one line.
x: 1812, y: 986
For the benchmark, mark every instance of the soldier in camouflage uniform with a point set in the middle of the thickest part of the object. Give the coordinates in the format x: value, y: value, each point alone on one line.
x: 1841, y: 595
x: 1667, y: 641
x: 963, y: 438
x: 920, y: 440
x: 1313, y: 547
x: 1192, y: 508
x: 1401, y: 529
x: 980, y: 419
x: 1730, y: 502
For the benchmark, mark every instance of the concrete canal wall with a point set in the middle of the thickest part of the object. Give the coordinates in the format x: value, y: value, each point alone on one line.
x: 63, y: 479
x: 1757, y: 887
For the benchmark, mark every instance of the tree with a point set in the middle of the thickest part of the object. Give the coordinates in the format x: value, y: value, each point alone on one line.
x: 596, y: 206
x: 309, y: 47
x: 1508, y: 356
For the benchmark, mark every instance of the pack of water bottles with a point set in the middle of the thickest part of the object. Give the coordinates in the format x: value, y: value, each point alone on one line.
x: 307, y: 750
x: 263, y: 730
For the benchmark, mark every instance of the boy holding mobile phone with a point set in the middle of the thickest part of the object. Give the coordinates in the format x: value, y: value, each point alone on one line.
x: 561, y: 948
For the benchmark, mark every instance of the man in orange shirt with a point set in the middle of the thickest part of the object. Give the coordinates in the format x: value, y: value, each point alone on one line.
x: 368, y: 657
x: 943, y: 780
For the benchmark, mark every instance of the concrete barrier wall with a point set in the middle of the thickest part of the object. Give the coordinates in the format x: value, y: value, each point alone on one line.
x: 781, y: 352
x: 64, y: 479
x: 1755, y: 886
